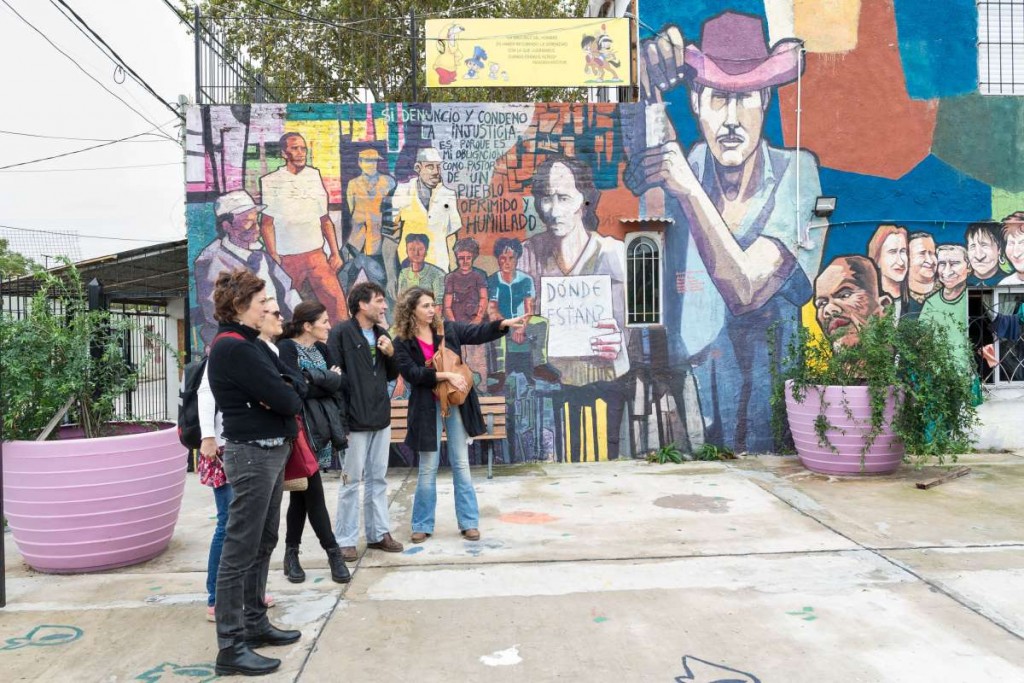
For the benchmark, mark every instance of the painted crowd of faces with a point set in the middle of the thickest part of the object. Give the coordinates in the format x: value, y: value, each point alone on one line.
x: 904, y: 268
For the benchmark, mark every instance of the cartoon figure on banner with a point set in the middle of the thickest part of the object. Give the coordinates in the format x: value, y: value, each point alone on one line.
x: 476, y: 62
x: 846, y: 295
x: 599, y: 55
x: 1013, y: 241
x: 465, y: 301
x: 493, y: 71
x: 449, y: 56
x: 424, y: 205
x: 296, y: 226
x: 237, y: 245
x: 581, y: 277
x: 365, y: 195
x: 511, y: 294
x: 984, y: 242
x: 733, y: 198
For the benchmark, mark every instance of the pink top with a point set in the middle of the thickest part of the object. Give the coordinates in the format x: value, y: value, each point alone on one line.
x: 428, y: 349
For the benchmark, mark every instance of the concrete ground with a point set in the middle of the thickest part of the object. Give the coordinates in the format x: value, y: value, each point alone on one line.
x: 752, y: 570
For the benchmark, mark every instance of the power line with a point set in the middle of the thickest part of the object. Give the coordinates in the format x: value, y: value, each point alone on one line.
x: 80, y: 68
x: 77, y: 151
x: 95, y: 168
x: 347, y: 27
x: 160, y: 138
x: 76, y: 233
x: 119, y: 60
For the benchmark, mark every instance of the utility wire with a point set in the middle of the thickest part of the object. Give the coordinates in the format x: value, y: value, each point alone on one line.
x: 347, y: 27
x: 80, y: 68
x: 119, y: 60
x: 75, y: 233
x: 159, y: 137
x: 77, y: 151
x: 94, y: 168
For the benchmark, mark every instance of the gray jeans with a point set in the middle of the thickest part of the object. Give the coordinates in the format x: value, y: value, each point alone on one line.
x: 257, y: 476
x: 366, y: 460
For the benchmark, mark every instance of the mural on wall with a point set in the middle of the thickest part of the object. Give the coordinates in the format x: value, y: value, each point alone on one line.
x: 530, y: 209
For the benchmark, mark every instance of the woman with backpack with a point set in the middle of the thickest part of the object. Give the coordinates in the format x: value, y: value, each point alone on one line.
x: 419, y: 333
x: 303, y: 349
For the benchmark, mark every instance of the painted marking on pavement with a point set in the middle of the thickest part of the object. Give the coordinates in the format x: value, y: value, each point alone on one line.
x: 509, y: 657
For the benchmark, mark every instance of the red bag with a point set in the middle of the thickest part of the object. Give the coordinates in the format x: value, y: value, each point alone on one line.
x: 302, y: 463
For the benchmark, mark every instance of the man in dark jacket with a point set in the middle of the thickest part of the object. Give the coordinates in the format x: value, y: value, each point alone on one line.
x: 363, y: 349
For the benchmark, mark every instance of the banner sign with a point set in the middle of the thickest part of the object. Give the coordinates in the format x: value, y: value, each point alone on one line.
x: 475, y: 53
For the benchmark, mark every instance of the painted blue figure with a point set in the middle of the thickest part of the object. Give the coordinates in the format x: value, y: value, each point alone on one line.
x: 741, y: 253
x: 476, y: 63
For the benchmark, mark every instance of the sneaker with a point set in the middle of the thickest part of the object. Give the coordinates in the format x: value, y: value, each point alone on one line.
x: 387, y: 544
x: 269, y: 600
x: 211, y: 614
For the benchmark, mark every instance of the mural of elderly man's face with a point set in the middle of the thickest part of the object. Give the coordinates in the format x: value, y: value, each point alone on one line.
x: 953, y: 269
x: 730, y: 122
x: 243, y: 229
x: 845, y: 298
x: 922, y: 264
x: 983, y: 252
x: 429, y: 173
x: 561, y: 207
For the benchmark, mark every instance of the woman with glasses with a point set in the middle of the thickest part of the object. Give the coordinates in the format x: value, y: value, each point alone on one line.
x: 303, y: 349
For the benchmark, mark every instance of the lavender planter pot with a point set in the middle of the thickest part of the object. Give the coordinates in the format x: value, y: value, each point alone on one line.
x: 84, y: 505
x: 885, y: 454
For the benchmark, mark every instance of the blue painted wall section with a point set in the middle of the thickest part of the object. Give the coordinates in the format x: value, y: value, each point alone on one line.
x: 938, y: 44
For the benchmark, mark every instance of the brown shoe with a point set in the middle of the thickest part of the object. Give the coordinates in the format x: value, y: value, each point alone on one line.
x: 471, y: 534
x: 419, y: 537
x: 387, y: 544
x: 349, y: 554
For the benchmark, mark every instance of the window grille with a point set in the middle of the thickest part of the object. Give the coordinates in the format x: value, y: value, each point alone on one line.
x: 1001, y: 47
x: 643, y: 281
x: 1007, y: 355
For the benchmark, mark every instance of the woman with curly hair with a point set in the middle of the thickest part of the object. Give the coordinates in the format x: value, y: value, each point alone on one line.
x: 419, y: 332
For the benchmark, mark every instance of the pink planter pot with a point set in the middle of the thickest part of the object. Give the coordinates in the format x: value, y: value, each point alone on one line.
x: 83, y: 505
x: 846, y: 435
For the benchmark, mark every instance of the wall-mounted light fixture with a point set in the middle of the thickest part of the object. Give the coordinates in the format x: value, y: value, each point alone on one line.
x: 824, y: 206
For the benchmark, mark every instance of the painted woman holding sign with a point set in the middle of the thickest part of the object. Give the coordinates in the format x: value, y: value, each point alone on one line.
x: 419, y: 334
x: 566, y: 200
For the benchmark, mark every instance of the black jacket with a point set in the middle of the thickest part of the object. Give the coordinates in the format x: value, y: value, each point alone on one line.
x: 366, y: 375
x: 422, y: 433
x: 247, y: 380
x: 324, y: 406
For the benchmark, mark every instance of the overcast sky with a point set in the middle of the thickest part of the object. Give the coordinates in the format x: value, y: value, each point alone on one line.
x: 45, y: 94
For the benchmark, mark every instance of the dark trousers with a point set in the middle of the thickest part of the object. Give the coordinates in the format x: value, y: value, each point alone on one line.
x: 309, y: 503
x: 257, y: 476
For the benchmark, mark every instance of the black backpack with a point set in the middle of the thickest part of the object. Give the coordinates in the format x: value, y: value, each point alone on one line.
x: 190, y: 433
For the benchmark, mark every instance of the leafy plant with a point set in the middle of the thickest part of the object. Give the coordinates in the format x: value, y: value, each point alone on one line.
x: 711, y: 452
x: 667, y: 453
x: 61, y: 351
x: 935, y: 408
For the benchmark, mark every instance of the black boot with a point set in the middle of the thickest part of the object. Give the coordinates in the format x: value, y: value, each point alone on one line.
x: 292, y: 568
x: 339, y: 572
x: 240, y: 659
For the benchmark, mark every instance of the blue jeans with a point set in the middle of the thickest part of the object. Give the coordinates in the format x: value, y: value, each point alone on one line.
x: 425, y: 502
x: 222, y: 497
x: 366, y: 459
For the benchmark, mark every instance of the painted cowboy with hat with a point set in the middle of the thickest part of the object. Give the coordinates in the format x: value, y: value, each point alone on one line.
x: 741, y: 239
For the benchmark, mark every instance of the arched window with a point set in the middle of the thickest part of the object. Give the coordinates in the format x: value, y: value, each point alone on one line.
x: 643, y: 281
x: 606, y: 9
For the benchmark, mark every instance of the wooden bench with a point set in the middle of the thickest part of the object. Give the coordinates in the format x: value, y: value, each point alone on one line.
x: 494, y: 409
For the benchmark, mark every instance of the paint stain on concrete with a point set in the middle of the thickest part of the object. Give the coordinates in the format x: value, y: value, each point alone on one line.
x: 527, y: 517
x: 318, y: 579
x: 46, y: 635
x: 169, y: 671
x: 694, y: 503
x: 413, y: 551
x: 807, y: 614
x: 509, y: 657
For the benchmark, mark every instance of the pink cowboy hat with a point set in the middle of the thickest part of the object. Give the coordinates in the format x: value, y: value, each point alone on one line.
x: 733, y: 56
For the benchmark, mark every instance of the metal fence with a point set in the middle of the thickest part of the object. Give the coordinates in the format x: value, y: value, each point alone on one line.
x: 142, y: 346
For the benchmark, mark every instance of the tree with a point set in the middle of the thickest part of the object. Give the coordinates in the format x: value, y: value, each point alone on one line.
x: 13, y: 264
x: 331, y: 50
